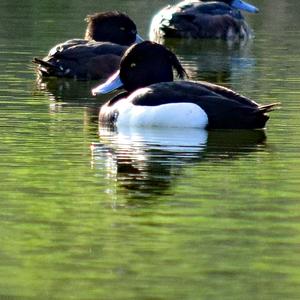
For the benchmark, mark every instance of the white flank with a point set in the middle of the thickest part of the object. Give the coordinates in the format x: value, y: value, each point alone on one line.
x: 166, y: 115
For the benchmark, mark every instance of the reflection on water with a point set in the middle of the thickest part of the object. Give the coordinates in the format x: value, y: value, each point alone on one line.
x: 67, y: 90
x: 146, y: 161
x: 160, y: 215
x: 213, y: 60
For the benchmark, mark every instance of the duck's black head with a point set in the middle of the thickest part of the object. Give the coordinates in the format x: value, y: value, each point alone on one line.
x: 115, y: 27
x: 238, y: 4
x: 143, y: 64
x: 147, y: 63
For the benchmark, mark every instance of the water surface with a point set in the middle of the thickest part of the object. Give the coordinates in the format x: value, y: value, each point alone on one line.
x: 91, y: 213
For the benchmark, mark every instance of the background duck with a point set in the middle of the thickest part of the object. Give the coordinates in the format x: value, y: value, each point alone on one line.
x: 152, y: 98
x: 97, y: 56
x: 219, y: 19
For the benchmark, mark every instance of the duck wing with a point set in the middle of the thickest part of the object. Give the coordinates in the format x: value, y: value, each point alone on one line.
x: 210, y: 8
x: 204, y: 20
x: 224, y: 107
x: 187, y: 90
x: 67, y: 44
x: 226, y: 93
x: 84, y: 60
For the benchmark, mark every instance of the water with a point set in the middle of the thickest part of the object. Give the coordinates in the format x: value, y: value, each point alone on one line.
x: 87, y: 213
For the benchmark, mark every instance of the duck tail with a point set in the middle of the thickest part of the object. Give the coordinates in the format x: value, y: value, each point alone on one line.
x: 176, y: 64
x: 45, y: 68
x: 43, y: 63
x: 261, y: 115
x: 269, y: 107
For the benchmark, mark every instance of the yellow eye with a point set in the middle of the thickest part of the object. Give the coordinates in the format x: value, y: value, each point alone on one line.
x: 132, y: 65
x: 122, y: 28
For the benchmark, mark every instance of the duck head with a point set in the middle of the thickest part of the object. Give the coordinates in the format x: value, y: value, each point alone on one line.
x: 143, y: 64
x: 114, y: 27
x: 239, y: 4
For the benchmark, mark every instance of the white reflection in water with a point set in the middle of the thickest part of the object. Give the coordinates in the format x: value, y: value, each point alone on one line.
x: 147, y: 160
x: 168, y: 139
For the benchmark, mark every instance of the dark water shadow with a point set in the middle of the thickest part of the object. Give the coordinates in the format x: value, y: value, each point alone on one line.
x: 213, y: 60
x: 145, y: 162
x: 70, y: 91
x: 65, y: 92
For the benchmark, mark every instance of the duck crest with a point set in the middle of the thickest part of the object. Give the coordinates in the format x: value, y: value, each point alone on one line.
x: 106, y: 27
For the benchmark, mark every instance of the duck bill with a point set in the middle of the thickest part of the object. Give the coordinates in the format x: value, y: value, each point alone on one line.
x: 138, y: 39
x: 242, y: 5
x: 112, y: 83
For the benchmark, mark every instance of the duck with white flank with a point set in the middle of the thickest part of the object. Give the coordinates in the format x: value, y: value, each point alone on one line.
x: 152, y: 98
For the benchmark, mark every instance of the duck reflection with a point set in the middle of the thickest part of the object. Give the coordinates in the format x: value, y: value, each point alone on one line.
x: 146, y: 161
x: 66, y: 90
x: 214, y: 60
x: 65, y: 94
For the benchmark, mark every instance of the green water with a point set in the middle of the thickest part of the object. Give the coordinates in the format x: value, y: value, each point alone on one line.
x: 147, y: 214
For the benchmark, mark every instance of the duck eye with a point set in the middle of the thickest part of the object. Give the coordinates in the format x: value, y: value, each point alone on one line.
x: 132, y: 65
x: 122, y: 28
